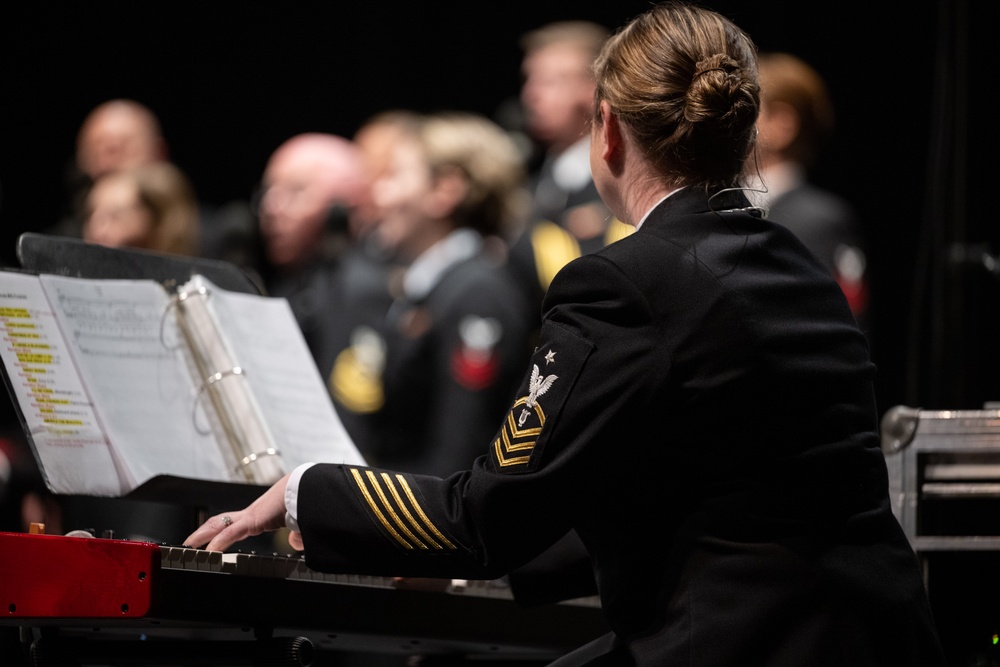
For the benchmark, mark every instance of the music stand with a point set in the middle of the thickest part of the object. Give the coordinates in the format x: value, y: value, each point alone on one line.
x: 176, y: 505
x: 66, y: 256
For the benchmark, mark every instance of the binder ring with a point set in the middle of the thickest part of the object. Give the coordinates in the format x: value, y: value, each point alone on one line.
x: 250, y: 458
x: 206, y: 383
x: 174, y: 301
x: 184, y: 296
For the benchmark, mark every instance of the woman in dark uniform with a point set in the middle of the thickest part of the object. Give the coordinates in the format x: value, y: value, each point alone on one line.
x: 451, y: 349
x: 699, y: 409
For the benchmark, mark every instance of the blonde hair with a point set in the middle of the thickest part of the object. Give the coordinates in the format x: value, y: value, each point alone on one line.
x: 587, y: 36
x: 491, y: 162
x: 684, y: 81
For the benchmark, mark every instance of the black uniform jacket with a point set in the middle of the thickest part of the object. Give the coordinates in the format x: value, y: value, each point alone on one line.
x: 700, y: 409
x: 454, y: 360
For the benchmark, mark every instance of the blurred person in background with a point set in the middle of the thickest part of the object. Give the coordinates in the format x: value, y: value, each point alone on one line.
x: 150, y: 206
x: 119, y: 134
x: 796, y: 121
x: 375, y: 138
x: 123, y: 134
x: 568, y: 217
x: 311, y: 186
x: 455, y: 338
x: 116, y: 134
x: 356, y: 361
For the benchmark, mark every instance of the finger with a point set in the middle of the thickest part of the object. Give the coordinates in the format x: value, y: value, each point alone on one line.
x: 200, y: 536
x: 295, y: 540
x: 210, y: 529
x: 221, y: 542
x: 234, y: 529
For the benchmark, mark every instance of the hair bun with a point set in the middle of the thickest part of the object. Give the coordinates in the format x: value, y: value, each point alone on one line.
x: 716, y: 90
x: 684, y: 81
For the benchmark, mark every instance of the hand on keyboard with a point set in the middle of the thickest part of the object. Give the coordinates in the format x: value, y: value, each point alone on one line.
x: 264, y: 514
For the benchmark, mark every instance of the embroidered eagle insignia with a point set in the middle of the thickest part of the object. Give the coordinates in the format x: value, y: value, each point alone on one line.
x: 537, y: 386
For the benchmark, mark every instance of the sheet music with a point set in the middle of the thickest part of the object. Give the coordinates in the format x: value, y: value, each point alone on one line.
x: 105, y: 379
x: 124, y: 338
x: 267, y: 343
x: 59, y: 414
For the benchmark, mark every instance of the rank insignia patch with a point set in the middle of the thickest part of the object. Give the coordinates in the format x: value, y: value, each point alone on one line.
x: 476, y: 363
x: 554, y: 368
x: 356, y: 378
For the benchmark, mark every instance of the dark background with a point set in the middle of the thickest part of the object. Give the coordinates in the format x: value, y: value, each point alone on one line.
x: 230, y: 81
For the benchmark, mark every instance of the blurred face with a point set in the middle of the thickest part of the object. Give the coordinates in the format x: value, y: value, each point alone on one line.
x: 557, y: 94
x: 777, y: 128
x: 403, y: 194
x: 115, y: 138
x: 293, y: 209
x: 116, y: 217
x: 376, y: 144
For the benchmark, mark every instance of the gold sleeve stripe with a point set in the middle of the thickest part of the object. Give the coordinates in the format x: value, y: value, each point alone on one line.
x: 406, y: 512
x: 373, y: 480
x: 387, y: 480
x: 420, y: 512
x: 616, y: 231
x: 376, y: 511
x: 554, y: 247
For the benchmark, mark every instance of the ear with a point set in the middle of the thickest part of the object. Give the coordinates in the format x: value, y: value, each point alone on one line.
x: 611, y: 139
x: 449, y: 190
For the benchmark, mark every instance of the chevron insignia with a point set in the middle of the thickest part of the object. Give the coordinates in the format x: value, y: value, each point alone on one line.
x: 554, y: 370
x: 516, y: 441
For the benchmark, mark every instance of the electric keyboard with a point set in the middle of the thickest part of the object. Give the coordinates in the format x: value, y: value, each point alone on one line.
x: 95, y: 595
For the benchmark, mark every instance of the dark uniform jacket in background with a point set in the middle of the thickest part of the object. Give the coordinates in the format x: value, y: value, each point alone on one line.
x: 829, y: 227
x: 700, y: 409
x: 454, y: 358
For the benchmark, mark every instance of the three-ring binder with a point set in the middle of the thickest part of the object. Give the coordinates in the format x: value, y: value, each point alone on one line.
x: 253, y: 454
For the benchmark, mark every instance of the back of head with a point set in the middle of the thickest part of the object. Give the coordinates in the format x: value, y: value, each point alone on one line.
x: 788, y: 80
x: 489, y: 160
x: 684, y: 81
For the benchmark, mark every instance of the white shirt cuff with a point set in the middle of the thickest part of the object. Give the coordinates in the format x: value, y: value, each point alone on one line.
x: 292, y: 497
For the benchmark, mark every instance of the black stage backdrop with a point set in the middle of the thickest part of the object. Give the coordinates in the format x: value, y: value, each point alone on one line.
x: 230, y: 81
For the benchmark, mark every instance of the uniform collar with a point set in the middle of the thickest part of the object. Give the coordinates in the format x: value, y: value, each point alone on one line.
x: 690, y: 200
x: 774, y: 181
x: 571, y: 169
x: 653, y: 208
x: 425, y: 272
